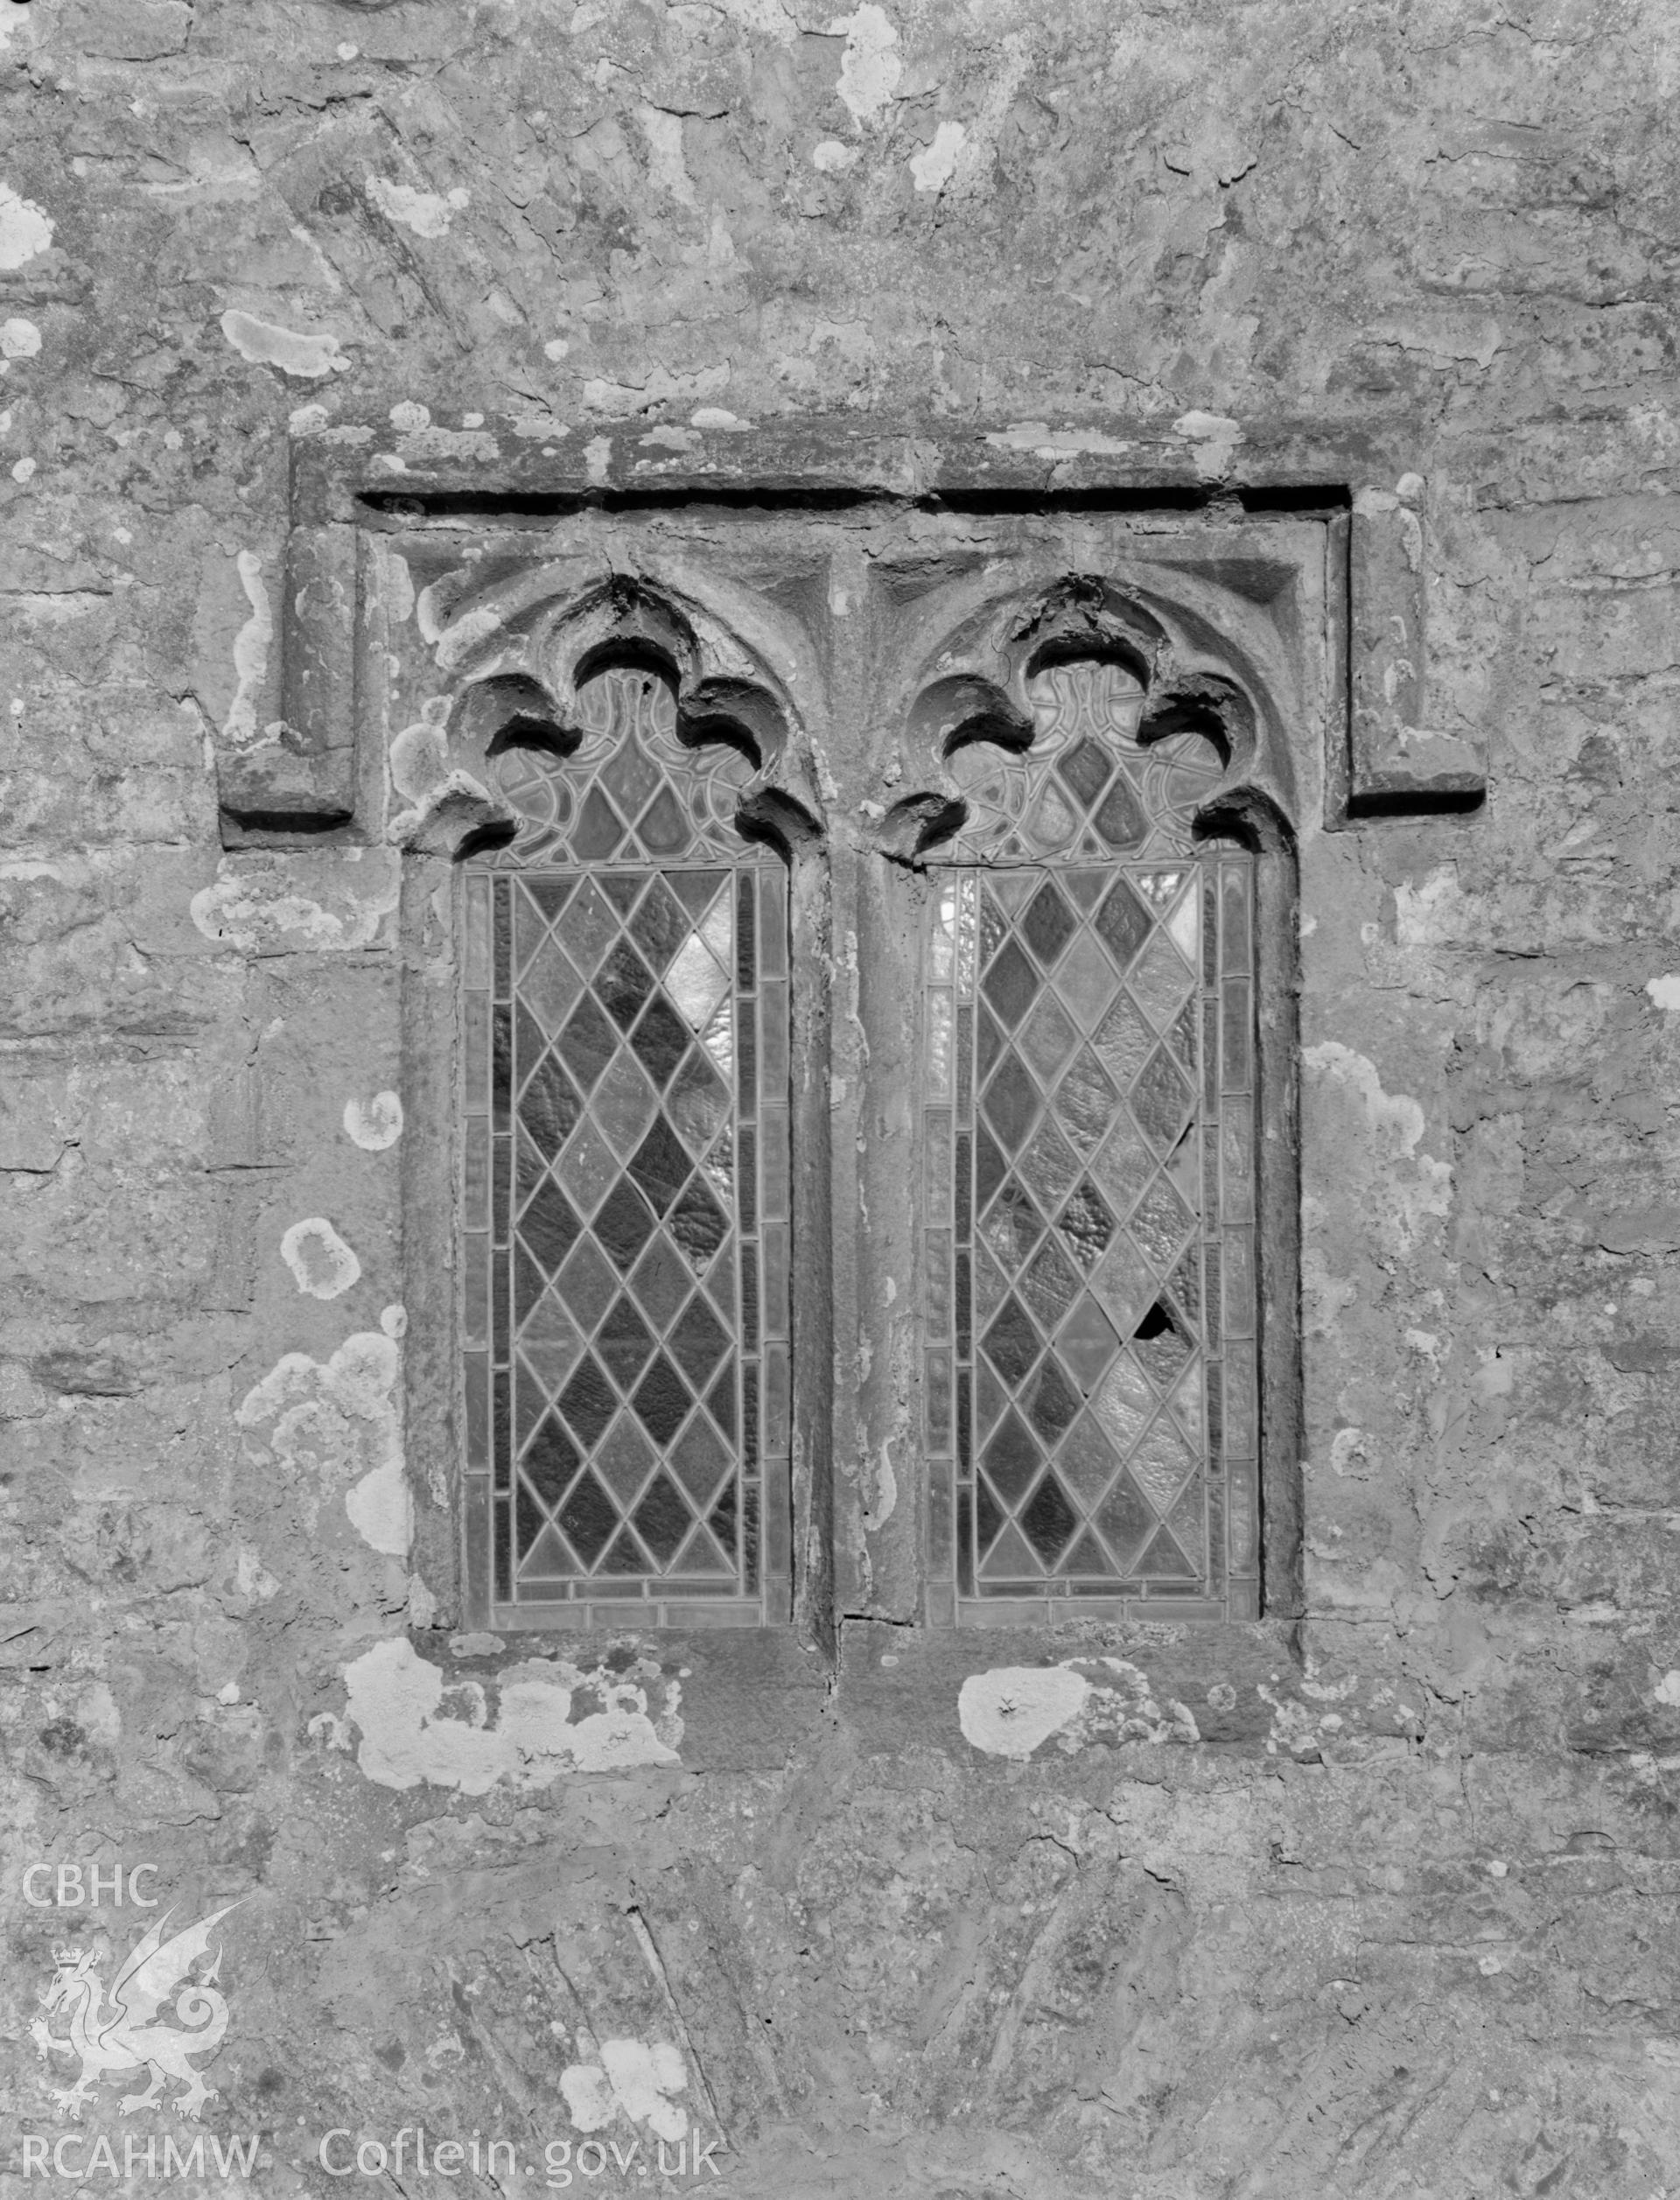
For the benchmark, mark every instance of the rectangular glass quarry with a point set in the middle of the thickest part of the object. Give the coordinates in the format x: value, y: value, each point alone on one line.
x: 1088, y: 1253
x: 625, y: 1240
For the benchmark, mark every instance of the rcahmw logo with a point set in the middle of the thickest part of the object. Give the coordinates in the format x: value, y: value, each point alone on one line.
x: 117, y: 2030
x: 148, y: 2157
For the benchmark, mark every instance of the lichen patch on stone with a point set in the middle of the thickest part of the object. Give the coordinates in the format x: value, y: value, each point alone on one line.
x: 266, y: 344
x: 321, y: 1263
x: 1009, y: 1711
x: 417, y: 1725
x: 632, y: 2078
x: 1046, y: 442
x: 1412, y: 1185
x: 420, y: 753
x: 25, y: 229
x: 1213, y: 442
x: 932, y: 169
x: 262, y: 904
x: 871, y: 66
x: 328, y: 1422
x: 374, y: 1124
x: 251, y: 647
x: 427, y: 213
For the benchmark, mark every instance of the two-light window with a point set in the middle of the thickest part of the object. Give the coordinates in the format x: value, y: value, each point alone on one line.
x: 1085, y: 1192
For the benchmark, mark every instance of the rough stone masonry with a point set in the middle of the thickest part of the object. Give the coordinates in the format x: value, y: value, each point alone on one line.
x: 1375, y: 1895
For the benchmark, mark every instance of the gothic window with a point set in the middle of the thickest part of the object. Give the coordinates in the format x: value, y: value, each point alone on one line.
x: 625, y: 1194
x: 1088, y: 1261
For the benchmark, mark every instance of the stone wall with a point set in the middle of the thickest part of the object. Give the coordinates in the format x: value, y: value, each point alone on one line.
x: 1375, y: 1901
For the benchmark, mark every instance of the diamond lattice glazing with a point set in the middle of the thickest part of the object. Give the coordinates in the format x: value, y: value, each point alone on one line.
x: 1089, y: 1259
x: 625, y: 1184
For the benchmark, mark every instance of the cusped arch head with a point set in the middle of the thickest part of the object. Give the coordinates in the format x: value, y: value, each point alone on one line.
x: 523, y: 659
x: 975, y: 690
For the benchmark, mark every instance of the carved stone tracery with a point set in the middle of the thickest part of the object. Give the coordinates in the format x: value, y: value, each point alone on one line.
x: 521, y: 731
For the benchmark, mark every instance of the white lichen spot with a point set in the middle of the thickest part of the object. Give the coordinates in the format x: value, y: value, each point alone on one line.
x: 1665, y: 991
x: 256, y: 906
x: 1433, y: 912
x: 409, y: 416
x: 394, y: 1321
x: 463, y: 634
x: 251, y: 645
x: 881, y: 1492
x: 321, y: 1263
x: 668, y: 438
x: 252, y: 1578
x: 25, y: 229
x: 1668, y: 1689
x: 19, y: 338
x: 374, y: 1124
x: 598, y: 457
x: 415, y: 1725
x: 635, y: 2078
x: 556, y: 349
x: 1043, y: 441
x: 451, y: 807
x: 934, y: 167
x: 266, y: 344
x: 327, y: 1423
x: 1347, y: 1452
x: 1010, y: 1710
x: 832, y: 158
x: 427, y: 213
x: 420, y: 753
x: 396, y: 587
x: 871, y: 66
x: 1213, y: 439
x: 23, y: 471
x: 1410, y: 1185
x: 719, y: 420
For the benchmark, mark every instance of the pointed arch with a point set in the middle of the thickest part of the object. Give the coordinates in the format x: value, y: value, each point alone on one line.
x: 1100, y: 1305
x: 627, y: 1197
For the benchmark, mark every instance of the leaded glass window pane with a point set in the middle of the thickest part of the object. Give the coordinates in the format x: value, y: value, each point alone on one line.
x: 625, y: 1189
x: 1088, y: 1257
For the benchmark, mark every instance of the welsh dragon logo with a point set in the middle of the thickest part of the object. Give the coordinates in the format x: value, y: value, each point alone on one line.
x: 118, y: 2032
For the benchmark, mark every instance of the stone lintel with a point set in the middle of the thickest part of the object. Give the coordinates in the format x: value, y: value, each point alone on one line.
x: 368, y: 475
